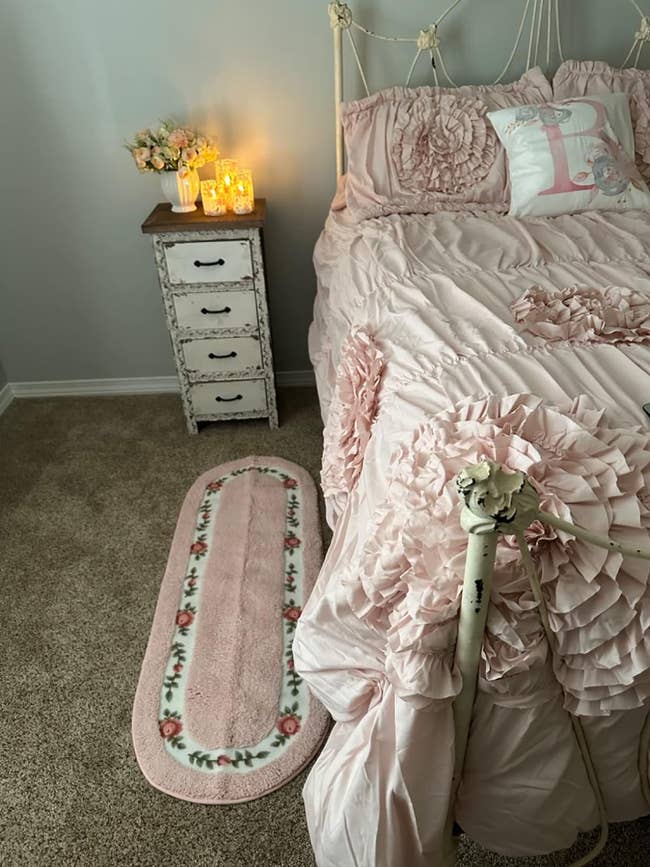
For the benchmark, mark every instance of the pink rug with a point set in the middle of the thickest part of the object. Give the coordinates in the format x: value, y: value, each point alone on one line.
x: 220, y: 715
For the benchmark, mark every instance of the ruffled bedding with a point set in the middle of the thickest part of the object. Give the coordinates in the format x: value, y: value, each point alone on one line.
x: 439, y: 340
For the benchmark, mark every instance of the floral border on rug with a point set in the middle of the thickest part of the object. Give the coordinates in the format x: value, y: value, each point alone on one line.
x: 293, y: 704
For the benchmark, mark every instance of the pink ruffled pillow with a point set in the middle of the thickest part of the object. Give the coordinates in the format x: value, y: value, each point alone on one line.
x: 593, y: 77
x: 426, y: 149
x: 612, y: 315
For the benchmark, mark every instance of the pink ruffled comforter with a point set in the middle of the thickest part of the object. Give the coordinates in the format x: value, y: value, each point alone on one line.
x: 438, y: 340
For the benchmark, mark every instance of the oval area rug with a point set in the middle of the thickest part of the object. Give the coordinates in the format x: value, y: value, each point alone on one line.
x: 220, y: 716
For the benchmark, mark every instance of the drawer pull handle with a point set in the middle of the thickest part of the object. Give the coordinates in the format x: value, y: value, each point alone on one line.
x: 232, y: 354
x: 199, y: 264
x: 205, y: 310
x: 220, y: 399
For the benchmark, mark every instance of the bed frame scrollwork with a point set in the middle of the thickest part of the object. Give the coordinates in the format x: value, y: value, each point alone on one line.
x: 540, y: 20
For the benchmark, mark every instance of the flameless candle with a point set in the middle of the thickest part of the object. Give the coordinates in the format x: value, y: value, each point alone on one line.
x: 213, y: 198
x: 226, y: 171
x: 243, y: 194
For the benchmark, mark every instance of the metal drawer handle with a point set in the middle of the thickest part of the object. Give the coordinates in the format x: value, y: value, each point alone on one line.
x: 228, y: 399
x: 232, y: 354
x: 199, y: 264
x: 205, y: 310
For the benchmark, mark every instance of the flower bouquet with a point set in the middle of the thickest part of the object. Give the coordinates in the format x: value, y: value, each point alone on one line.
x: 176, y: 153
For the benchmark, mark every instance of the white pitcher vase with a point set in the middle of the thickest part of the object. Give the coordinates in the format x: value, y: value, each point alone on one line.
x: 181, y: 192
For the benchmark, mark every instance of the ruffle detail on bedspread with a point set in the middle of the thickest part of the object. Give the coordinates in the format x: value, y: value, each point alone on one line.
x: 408, y: 582
x: 612, y: 315
x: 351, y: 415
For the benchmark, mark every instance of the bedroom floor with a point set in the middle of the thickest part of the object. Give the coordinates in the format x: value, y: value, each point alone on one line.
x: 90, y: 492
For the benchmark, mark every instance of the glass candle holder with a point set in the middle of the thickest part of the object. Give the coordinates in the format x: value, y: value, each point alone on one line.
x: 225, y: 173
x: 243, y: 195
x: 213, y: 198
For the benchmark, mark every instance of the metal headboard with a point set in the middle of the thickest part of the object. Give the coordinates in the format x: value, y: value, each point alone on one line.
x: 539, y: 18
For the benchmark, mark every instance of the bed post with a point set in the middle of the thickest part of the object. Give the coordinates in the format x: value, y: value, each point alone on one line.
x: 340, y: 20
x: 493, y: 499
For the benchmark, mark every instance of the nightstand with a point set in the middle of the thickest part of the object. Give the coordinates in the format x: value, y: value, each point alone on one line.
x: 211, y: 272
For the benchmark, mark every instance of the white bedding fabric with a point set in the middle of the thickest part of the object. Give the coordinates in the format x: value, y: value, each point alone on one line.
x: 435, y: 294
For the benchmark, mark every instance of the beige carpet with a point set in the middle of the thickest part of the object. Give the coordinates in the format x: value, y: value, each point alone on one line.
x: 89, y: 493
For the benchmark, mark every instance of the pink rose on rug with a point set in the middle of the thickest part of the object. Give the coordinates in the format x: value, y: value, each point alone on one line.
x: 443, y: 144
x: 292, y: 613
x: 198, y: 548
x: 352, y: 413
x: 184, y: 618
x: 170, y: 727
x: 290, y: 664
x: 292, y: 542
x: 178, y: 668
x: 290, y: 483
x: 288, y: 725
x: 612, y: 315
x: 223, y: 760
x: 215, y: 486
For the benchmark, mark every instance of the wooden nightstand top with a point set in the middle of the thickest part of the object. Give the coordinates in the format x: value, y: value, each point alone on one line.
x: 162, y: 219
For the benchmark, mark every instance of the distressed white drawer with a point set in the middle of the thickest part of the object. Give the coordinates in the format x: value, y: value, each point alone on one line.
x: 222, y: 354
x: 225, y: 398
x: 209, y: 261
x: 216, y: 310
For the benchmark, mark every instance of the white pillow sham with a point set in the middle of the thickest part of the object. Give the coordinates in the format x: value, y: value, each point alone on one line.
x: 569, y: 156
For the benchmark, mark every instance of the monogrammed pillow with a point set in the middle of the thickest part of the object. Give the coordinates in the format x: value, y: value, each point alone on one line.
x: 594, y: 78
x: 425, y: 149
x: 571, y: 156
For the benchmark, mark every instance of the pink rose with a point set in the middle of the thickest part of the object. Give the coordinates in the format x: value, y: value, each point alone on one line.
x: 292, y: 542
x: 191, y: 582
x: 170, y: 727
x: 178, y: 668
x: 290, y: 665
x: 184, y: 618
x: 215, y: 486
x: 205, y: 516
x: 292, y: 613
x: 224, y: 760
x: 288, y: 725
x: 178, y: 138
x: 290, y: 483
x: 199, y: 548
x: 158, y: 163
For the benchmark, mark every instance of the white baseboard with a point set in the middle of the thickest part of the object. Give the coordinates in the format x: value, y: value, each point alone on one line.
x: 6, y: 397
x: 134, y: 385
x: 88, y: 387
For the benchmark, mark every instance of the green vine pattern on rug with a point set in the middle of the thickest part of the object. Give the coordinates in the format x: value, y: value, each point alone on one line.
x: 292, y: 713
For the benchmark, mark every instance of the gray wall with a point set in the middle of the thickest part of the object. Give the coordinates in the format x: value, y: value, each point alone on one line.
x: 78, y: 292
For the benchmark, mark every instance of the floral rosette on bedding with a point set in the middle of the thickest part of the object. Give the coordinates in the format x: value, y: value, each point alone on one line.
x: 612, y: 315
x: 409, y: 580
x: 351, y: 415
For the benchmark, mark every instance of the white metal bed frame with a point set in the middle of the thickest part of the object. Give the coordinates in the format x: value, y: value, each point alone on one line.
x: 540, y: 18
x: 496, y: 502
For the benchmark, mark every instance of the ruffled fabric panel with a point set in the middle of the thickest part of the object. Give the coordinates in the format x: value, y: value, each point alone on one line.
x: 351, y: 416
x: 612, y: 315
x: 408, y: 580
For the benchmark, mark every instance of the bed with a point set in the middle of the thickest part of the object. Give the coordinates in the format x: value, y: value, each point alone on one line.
x: 502, y: 689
